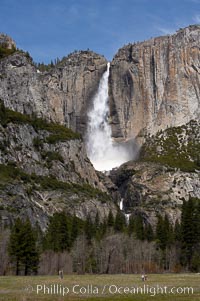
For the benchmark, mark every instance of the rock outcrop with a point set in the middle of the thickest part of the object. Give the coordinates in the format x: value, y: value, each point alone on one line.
x: 168, y: 173
x: 178, y: 147
x: 150, y: 189
x: 45, y: 169
x: 6, y: 41
x: 62, y: 94
x: 156, y: 84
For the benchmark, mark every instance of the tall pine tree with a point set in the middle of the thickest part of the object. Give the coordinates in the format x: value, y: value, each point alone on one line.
x: 57, y: 236
x: 22, y: 248
x: 188, y: 232
x: 120, y: 222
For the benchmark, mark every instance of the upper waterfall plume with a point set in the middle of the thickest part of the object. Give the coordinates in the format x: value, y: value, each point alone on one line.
x: 103, y: 152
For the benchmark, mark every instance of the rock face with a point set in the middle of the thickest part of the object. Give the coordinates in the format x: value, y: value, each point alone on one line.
x: 40, y: 175
x: 150, y: 189
x: 156, y: 84
x: 168, y: 173
x: 152, y: 85
x: 67, y: 161
x: 63, y: 94
x: 6, y: 41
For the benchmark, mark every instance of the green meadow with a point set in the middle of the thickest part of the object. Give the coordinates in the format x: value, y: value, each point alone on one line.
x: 185, y: 287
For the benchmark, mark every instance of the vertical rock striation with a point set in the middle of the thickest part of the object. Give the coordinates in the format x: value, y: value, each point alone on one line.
x: 62, y: 94
x: 156, y: 84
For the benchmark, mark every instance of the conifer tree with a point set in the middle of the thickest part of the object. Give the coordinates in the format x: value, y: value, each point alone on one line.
x: 97, y: 227
x: 139, y: 227
x: 2, y: 113
x: 196, y: 219
x: 188, y: 232
x: 120, y: 222
x: 148, y: 232
x: 22, y: 248
x: 110, y: 219
x: 57, y: 236
x: 161, y: 233
x: 177, y: 232
x: 89, y: 229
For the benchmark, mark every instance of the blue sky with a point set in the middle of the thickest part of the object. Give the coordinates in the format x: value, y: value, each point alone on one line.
x: 54, y: 28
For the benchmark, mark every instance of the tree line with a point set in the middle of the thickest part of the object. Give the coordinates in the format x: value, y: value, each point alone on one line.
x: 109, y: 246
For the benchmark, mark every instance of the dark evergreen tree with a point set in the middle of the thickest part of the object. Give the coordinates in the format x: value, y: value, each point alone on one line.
x: 111, y: 220
x: 22, y: 248
x: 188, y: 232
x: 2, y: 114
x: 139, y: 227
x: 164, y: 232
x: 177, y: 232
x: 168, y: 229
x: 148, y: 232
x: 120, y: 222
x: 197, y: 219
x: 195, y: 260
x: 97, y: 227
x: 89, y: 229
x: 161, y: 233
x: 57, y: 236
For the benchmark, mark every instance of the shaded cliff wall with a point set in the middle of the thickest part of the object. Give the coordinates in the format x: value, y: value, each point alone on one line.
x: 156, y: 84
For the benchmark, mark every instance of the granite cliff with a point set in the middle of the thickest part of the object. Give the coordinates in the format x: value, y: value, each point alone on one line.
x: 149, y: 189
x: 152, y: 85
x: 43, y: 164
x: 62, y: 94
x: 167, y: 173
x: 44, y: 169
x: 155, y: 84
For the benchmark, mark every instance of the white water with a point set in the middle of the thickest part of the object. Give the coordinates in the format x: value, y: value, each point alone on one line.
x: 127, y: 215
x: 103, y: 152
x: 121, y: 207
x: 121, y: 204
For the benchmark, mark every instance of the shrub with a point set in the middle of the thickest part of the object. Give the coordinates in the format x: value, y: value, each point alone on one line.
x: 37, y: 143
x: 52, y: 156
x: 4, y: 51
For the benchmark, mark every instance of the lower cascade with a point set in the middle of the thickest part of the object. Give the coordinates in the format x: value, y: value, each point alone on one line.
x: 103, y: 152
x: 121, y: 207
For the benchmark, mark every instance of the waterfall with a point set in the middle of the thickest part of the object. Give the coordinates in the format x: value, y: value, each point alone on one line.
x: 127, y: 215
x: 121, y: 207
x: 102, y: 151
x: 121, y: 204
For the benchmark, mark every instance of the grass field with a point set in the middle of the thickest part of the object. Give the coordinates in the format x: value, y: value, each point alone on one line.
x: 101, y: 287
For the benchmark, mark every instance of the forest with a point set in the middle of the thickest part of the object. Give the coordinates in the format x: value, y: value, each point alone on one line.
x: 112, y: 246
